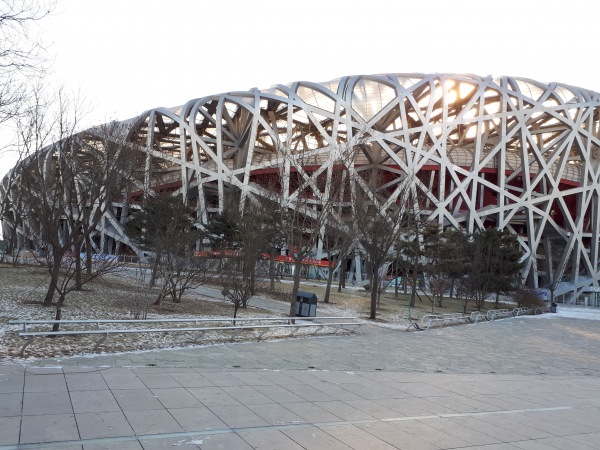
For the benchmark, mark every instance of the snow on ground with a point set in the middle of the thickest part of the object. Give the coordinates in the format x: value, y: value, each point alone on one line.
x: 572, y: 312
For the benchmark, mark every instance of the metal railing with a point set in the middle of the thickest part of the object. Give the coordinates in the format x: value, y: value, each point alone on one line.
x: 262, y: 324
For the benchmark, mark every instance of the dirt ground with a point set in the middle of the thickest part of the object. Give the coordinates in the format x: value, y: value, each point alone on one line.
x: 22, y: 290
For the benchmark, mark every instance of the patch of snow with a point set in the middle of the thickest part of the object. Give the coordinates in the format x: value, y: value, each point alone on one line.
x: 571, y: 312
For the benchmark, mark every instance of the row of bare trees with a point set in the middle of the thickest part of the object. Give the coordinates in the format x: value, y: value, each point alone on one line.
x: 63, y: 185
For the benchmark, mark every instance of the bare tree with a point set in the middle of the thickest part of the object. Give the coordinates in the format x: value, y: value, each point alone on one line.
x: 303, y: 213
x: 70, y: 180
x: 12, y: 214
x: 378, y: 221
x: 182, y: 272
x: 437, y: 250
x: 49, y: 177
x: 337, y: 234
x: 165, y: 227
x: 22, y: 54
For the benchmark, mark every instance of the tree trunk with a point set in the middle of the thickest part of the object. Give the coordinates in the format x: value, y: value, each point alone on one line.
x: 272, y: 272
x: 295, y: 287
x: 341, y: 283
x: 58, y: 314
x: 329, y: 281
x: 52, y: 286
x: 154, y: 274
x: 88, y: 254
x: 374, y: 284
x: 78, y: 283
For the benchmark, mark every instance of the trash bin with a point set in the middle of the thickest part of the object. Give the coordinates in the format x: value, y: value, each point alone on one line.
x: 306, y: 304
x: 553, y: 307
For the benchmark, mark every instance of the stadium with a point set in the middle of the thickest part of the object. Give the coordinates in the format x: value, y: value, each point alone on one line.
x: 503, y: 152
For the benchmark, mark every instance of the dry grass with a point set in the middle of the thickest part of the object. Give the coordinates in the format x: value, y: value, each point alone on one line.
x: 392, y: 309
x: 22, y: 290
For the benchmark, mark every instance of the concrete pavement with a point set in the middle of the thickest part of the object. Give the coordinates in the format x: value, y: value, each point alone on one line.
x: 522, y: 383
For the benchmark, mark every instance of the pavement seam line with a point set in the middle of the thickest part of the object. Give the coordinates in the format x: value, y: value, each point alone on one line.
x: 272, y: 427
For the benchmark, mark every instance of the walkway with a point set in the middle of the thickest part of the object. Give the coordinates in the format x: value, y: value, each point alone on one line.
x: 523, y: 383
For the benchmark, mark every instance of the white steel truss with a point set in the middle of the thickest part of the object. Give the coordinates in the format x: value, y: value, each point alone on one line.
x: 502, y: 152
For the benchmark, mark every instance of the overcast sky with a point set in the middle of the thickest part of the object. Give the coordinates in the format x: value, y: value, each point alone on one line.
x: 128, y: 56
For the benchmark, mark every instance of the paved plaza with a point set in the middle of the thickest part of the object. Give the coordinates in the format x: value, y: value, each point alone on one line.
x: 521, y: 383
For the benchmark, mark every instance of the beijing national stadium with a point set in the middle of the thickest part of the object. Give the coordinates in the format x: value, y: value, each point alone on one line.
x: 504, y: 152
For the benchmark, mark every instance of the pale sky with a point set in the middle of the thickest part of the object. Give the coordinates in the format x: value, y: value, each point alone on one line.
x: 128, y: 56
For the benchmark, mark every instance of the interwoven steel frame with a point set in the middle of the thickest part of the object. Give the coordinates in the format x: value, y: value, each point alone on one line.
x: 506, y: 152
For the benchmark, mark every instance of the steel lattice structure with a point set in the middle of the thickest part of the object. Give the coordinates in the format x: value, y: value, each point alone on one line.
x: 502, y: 152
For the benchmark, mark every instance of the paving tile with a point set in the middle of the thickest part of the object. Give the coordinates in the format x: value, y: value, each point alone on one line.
x: 411, y: 407
x: 45, y: 383
x: 387, y: 391
x: 40, y: 403
x: 269, y: 440
x: 11, y: 404
x: 279, y: 394
x: 532, y: 445
x: 311, y: 413
x: 344, y: 410
x: 9, y: 430
x: 135, y: 399
x: 247, y: 395
x: 337, y: 392
x: 422, y: 430
x: 313, y: 438
x: 158, y: 380
x: 176, y: 398
x: 213, y: 396
x: 509, y: 422
x: 420, y: 389
x: 392, y: 434
x: 563, y: 421
x: 460, y: 404
x: 356, y: 438
x: 470, y: 435
x: 102, y: 425
x: 276, y: 414
x: 93, y: 401
x: 222, y: 379
x: 280, y: 377
x: 121, y: 445
x: 123, y: 381
x: 43, y: 370
x: 70, y: 447
x: 145, y: 369
x: 238, y: 416
x: 11, y: 382
x: 363, y: 391
x: 501, y: 446
x: 373, y: 409
x: 85, y: 382
x: 227, y: 441
x: 172, y: 442
x: 197, y: 419
x: 254, y: 378
x: 190, y: 379
x: 48, y: 428
x: 592, y: 440
x: 484, y: 427
x: 311, y: 394
x: 151, y: 421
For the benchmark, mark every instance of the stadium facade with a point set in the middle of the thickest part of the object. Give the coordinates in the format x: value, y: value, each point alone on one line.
x: 503, y: 152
